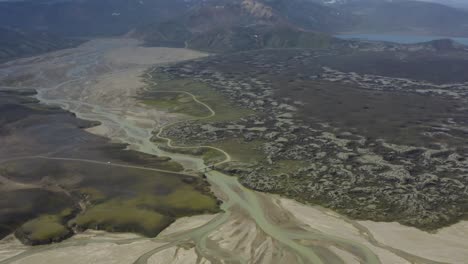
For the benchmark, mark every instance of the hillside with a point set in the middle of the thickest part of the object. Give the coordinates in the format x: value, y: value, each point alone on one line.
x: 14, y: 43
x: 88, y: 17
x: 260, y: 37
x: 309, y: 15
x: 226, y: 26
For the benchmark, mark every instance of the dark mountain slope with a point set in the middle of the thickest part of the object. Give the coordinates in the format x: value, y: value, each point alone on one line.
x: 88, y: 17
x: 309, y: 15
x: 258, y: 37
x: 14, y: 43
x: 226, y: 26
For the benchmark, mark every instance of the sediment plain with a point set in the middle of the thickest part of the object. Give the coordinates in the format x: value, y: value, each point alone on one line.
x: 101, y: 81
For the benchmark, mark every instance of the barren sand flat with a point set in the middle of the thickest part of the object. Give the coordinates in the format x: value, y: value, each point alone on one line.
x: 100, y: 130
x: 449, y: 244
x: 97, y: 235
x: 135, y: 54
x: 103, y: 247
x: 177, y: 255
x: 345, y: 256
x: 10, y: 246
x: 103, y: 253
x: 187, y: 223
x: 114, y: 89
x: 332, y: 224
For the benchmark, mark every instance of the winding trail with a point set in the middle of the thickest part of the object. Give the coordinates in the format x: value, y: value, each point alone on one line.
x: 169, y: 141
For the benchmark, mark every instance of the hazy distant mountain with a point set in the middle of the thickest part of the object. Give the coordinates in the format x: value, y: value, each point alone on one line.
x: 411, y: 17
x: 454, y: 3
x: 113, y: 17
x: 229, y: 25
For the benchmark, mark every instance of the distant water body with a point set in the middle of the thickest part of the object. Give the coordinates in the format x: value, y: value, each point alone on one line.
x: 403, y: 39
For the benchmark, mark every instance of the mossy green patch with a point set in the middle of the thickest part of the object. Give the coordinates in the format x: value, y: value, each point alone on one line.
x: 118, y: 216
x: 146, y: 213
x: 212, y: 156
x: 287, y: 166
x: 146, y: 205
x: 183, y: 201
x: 177, y: 103
x: 238, y: 149
x: 45, y: 229
x: 92, y: 195
x: 241, y: 150
x: 186, y: 198
x: 158, y: 96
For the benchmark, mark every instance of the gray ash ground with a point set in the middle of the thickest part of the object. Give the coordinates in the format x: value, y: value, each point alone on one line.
x: 368, y: 146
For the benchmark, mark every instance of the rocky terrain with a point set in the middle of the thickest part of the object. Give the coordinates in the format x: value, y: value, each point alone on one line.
x: 396, y: 153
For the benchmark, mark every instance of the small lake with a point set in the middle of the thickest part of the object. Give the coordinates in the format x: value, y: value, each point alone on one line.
x: 403, y: 39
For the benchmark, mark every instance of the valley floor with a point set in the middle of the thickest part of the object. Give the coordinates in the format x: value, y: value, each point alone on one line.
x: 100, y: 81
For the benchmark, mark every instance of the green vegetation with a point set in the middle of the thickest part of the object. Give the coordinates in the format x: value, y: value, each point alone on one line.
x: 116, y: 216
x: 186, y: 199
x: 240, y: 150
x: 177, y: 103
x: 287, y: 166
x: 146, y: 214
x: 212, y: 156
x: 45, y: 229
x: 92, y: 195
x: 178, y: 203
x: 159, y: 97
x: 117, y: 198
x: 146, y: 203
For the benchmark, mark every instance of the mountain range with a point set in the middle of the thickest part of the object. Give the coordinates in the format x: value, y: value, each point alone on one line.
x: 232, y: 25
x: 221, y: 25
x: 224, y: 26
